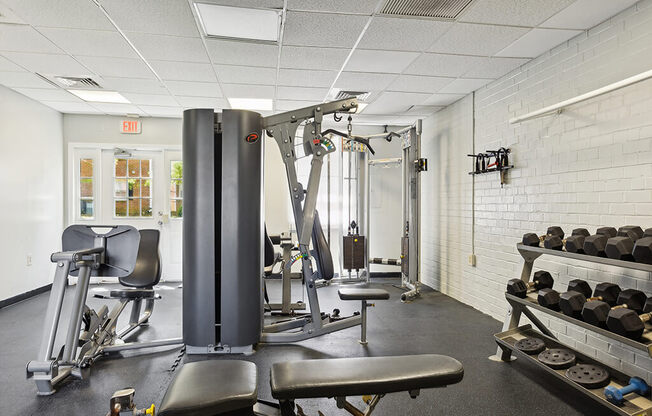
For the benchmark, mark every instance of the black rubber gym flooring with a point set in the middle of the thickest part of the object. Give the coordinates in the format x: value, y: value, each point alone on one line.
x: 432, y: 324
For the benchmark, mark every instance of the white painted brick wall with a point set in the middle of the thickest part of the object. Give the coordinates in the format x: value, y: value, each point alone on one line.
x: 590, y: 166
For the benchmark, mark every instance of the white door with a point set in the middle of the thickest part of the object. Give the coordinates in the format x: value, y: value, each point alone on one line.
x: 171, y: 217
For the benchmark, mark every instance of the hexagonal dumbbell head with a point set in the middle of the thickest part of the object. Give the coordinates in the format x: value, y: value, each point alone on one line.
x: 517, y: 287
x: 625, y: 322
x: 531, y: 239
x: 555, y: 230
x: 575, y: 244
x: 594, y: 245
x: 620, y: 248
x: 581, y: 231
x: 595, y: 312
x: 571, y: 303
x: 642, y: 252
x: 608, y: 231
x: 632, y: 231
x: 549, y: 298
x: 579, y: 285
x: 553, y: 242
x: 647, y: 232
x: 607, y: 292
x: 634, y: 299
x: 542, y: 280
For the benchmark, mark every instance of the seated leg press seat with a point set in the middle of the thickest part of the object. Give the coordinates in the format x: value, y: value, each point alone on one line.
x: 363, y: 294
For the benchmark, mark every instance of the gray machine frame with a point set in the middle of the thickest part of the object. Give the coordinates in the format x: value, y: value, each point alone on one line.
x: 283, y: 128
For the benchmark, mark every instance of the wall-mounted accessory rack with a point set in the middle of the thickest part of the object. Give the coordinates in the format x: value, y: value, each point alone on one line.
x: 635, y: 405
x: 492, y: 161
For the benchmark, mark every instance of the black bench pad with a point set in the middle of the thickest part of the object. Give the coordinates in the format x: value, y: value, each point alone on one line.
x: 209, y: 388
x: 362, y: 293
x: 132, y: 293
x: 359, y: 376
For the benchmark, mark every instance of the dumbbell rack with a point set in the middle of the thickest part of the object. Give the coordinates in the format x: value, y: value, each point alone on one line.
x: 512, y: 332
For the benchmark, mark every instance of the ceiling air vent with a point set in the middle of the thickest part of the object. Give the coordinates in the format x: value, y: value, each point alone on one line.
x: 439, y: 9
x: 360, y: 95
x: 86, y: 83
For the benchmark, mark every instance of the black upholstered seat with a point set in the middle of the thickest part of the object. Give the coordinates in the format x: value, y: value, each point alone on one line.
x: 211, y: 388
x: 359, y: 376
x: 146, y: 273
x: 322, y: 251
x: 362, y: 293
x: 133, y: 293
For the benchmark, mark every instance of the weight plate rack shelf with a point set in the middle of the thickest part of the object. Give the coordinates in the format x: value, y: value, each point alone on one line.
x: 634, y: 404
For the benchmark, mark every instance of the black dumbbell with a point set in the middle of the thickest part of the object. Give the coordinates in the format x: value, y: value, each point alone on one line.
x: 572, y: 302
x: 594, y: 245
x: 647, y: 232
x: 541, y: 280
x: 549, y: 297
x: 642, y: 251
x: 572, y: 244
x: 622, y: 246
x: 533, y: 240
x: 628, y: 322
x: 596, y: 312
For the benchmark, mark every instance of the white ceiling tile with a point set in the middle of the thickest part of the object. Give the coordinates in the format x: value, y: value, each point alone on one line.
x: 184, y: 71
x: 248, y: 91
x: 158, y: 111
x: 23, y: 79
x: 289, y: 105
x: 203, y: 102
x: 423, y: 110
x: 118, y: 109
x: 151, y: 99
x: 360, y: 81
x: 135, y: 85
x: 242, y: 53
x: 7, y: 65
x: 9, y: 16
x: 390, y: 33
x: 371, y: 119
x: 537, y: 41
x: 472, y: 39
x: 584, y: 14
x: 319, y: 29
x: 305, y: 78
x: 19, y: 38
x: 494, y: 67
x: 81, y: 14
x: 335, y: 6
x: 443, y: 99
x: 380, y: 61
x: 48, y: 63
x: 194, y: 89
x: 232, y: 74
x: 404, y: 120
x: 90, y: 42
x: 418, y: 83
x: 395, y: 102
x: 258, y: 4
x: 438, y: 65
x: 302, y: 94
x: 513, y: 12
x: 464, y: 86
x: 79, y: 107
x: 116, y: 67
x: 169, y: 48
x: 162, y: 17
x: 294, y: 57
x: 48, y: 94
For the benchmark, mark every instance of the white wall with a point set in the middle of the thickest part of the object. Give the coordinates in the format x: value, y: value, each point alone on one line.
x: 590, y: 166
x: 32, y: 192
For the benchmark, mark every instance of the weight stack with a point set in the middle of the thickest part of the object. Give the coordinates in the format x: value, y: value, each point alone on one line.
x: 222, y: 230
x: 354, y: 252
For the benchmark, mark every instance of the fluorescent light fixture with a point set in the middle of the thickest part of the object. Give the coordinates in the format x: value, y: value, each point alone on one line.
x: 261, y: 104
x: 239, y: 22
x: 100, y: 96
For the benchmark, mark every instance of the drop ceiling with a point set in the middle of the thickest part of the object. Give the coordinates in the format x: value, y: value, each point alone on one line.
x: 153, y: 53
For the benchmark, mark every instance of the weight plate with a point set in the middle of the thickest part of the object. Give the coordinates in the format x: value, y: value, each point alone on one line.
x: 530, y: 345
x: 557, y: 358
x: 588, y: 375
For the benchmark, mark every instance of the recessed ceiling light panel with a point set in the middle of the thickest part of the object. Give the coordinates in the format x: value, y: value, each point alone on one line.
x: 239, y: 22
x: 260, y: 104
x: 100, y: 96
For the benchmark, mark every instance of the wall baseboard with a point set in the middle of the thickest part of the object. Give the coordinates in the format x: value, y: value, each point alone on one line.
x: 19, y: 298
x: 385, y: 274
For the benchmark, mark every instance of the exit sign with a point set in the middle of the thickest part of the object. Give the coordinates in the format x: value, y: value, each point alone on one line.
x: 130, y: 126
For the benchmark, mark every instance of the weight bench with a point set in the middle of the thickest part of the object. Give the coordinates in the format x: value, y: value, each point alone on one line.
x: 229, y: 388
x: 363, y: 294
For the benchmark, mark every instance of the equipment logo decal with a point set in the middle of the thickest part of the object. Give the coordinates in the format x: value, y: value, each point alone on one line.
x: 252, y: 137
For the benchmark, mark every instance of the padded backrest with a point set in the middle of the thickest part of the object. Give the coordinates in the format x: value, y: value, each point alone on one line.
x: 147, y: 272
x: 322, y: 251
x: 269, y: 250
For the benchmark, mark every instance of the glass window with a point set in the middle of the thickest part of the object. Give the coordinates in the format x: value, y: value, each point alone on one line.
x: 86, y: 195
x: 132, y: 184
x: 176, y: 189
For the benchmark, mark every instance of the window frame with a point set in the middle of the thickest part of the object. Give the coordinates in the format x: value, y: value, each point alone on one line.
x: 78, y: 155
x: 140, y: 177
x: 171, y: 180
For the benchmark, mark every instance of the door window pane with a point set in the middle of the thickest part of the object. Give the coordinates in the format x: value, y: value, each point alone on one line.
x: 86, y: 188
x: 86, y: 195
x: 134, y: 168
x: 120, y: 208
x: 176, y: 189
x: 120, y: 168
x: 132, y: 187
x: 120, y: 188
